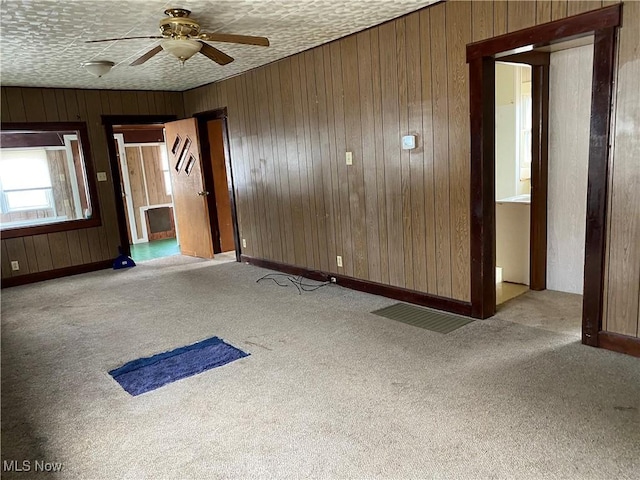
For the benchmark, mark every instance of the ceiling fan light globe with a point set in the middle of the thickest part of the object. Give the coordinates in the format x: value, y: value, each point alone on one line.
x: 181, y: 48
x: 98, y: 68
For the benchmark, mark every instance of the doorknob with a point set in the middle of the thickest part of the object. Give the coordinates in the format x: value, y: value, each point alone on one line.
x: 203, y: 193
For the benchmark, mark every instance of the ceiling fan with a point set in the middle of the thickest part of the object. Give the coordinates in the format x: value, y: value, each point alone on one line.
x: 182, y: 38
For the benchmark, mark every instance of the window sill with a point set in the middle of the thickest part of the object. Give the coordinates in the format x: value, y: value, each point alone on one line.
x: 15, y: 232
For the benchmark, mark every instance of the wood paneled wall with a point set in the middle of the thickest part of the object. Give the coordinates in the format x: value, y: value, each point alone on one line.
x: 40, y: 253
x: 146, y: 180
x: 623, y: 272
x: 397, y: 217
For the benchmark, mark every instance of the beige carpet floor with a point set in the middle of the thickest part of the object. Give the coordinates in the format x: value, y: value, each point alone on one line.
x: 329, y: 390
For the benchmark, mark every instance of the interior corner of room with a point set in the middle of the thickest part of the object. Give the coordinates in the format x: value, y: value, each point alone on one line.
x: 313, y: 174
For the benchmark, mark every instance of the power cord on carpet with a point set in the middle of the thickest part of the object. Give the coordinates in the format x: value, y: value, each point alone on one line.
x: 288, y: 280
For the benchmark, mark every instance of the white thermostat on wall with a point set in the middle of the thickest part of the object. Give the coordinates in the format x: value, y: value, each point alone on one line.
x: 102, y: 176
x: 408, y: 142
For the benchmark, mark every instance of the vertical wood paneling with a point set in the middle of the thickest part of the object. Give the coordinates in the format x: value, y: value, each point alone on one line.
x: 273, y: 165
x: 270, y: 195
x: 558, y: 9
x: 256, y: 163
x: 342, y: 171
x: 292, y: 165
x: 575, y: 7
x: 520, y: 14
x: 302, y: 208
x: 365, y: 80
x: 391, y: 135
x: 355, y: 173
x: 441, y: 148
x: 500, y: 15
x: 543, y: 11
x: 16, y: 252
x: 325, y: 158
x: 59, y: 247
x: 482, y: 14
x: 623, y: 301
x: 58, y: 250
x: 15, y: 104
x: 4, y: 261
x: 315, y: 160
x: 30, y: 250
x: 331, y: 132
x: 43, y: 252
x: 405, y: 167
x: 34, y: 105
x: 428, y: 141
x: 376, y: 79
x: 458, y: 35
x: 416, y: 159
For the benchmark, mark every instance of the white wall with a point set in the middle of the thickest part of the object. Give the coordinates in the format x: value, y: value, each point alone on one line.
x: 512, y: 241
x: 569, y: 110
x: 505, y: 130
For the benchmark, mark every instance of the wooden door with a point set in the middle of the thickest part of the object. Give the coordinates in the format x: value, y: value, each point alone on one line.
x: 220, y: 185
x: 189, y: 194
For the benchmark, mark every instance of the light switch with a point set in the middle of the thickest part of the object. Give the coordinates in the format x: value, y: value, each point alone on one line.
x: 102, y: 176
x: 349, y: 158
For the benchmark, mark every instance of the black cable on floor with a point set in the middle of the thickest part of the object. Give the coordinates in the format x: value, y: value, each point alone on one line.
x: 287, y: 280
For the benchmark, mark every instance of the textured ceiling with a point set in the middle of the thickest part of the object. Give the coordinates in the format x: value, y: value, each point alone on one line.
x: 42, y: 41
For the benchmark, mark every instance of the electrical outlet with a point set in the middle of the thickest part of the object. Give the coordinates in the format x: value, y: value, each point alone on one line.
x: 333, y: 279
x: 244, y: 243
x: 339, y: 260
x: 102, y: 176
x: 15, y: 265
x: 349, y: 158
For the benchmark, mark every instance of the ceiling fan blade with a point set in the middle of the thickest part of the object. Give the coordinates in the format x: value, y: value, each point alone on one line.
x: 123, y: 38
x: 214, y: 54
x: 229, y: 38
x: 146, y: 56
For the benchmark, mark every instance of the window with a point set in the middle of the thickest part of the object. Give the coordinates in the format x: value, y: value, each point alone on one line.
x: 46, y: 179
x: 526, y: 117
x: 164, y: 164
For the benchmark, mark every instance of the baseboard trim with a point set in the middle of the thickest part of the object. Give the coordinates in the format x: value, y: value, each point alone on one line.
x: 619, y: 343
x: 411, y: 296
x: 56, y: 273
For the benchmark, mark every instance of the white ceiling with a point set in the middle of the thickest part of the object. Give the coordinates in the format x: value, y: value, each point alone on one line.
x: 42, y: 41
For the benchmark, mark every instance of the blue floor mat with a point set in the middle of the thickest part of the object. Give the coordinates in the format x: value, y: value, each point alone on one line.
x: 146, y: 374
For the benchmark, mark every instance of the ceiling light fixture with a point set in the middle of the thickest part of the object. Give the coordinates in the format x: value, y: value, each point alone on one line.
x: 98, y: 67
x: 181, y: 48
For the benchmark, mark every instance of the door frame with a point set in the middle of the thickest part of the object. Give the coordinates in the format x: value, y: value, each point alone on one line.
x: 481, y: 56
x: 205, y: 155
x: 108, y: 121
x: 539, y: 63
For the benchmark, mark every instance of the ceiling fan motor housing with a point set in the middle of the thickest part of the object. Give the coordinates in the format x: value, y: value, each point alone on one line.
x: 179, y: 24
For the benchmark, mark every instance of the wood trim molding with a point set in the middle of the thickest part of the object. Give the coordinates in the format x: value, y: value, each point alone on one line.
x: 483, y: 187
x: 603, y: 23
x: 619, y: 343
x: 57, y: 273
x: 397, y: 293
x: 598, y: 174
x: 539, y: 177
x: 548, y: 33
x: 203, y: 118
x: 83, y: 134
x: 109, y: 121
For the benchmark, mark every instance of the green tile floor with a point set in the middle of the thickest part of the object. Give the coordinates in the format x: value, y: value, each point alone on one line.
x: 156, y: 249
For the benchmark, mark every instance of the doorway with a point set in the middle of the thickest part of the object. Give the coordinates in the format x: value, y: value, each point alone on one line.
x: 146, y: 191
x: 219, y: 180
x: 513, y: 157
x: 481, y: 57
